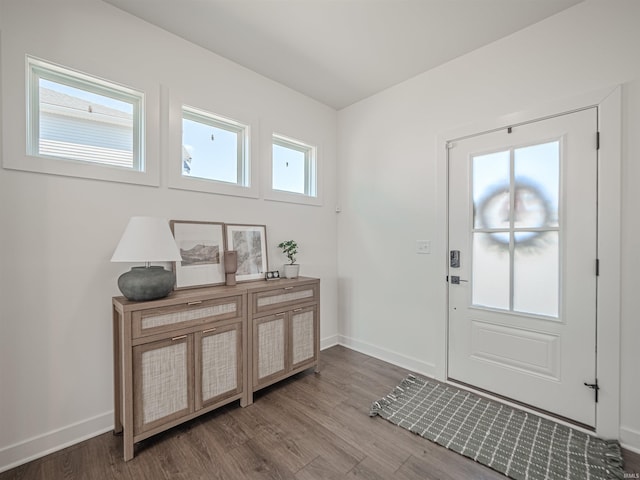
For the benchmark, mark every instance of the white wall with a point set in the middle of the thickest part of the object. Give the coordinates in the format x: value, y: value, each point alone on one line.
x: 57, y: 233
x: 390, y: 299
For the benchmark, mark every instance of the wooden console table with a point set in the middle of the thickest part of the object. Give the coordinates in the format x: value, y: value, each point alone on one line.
x: 198, y: 349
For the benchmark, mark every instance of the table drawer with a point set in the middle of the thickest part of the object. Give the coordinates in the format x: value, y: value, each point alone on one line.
x: 279, y: 298
x: 174, y: 317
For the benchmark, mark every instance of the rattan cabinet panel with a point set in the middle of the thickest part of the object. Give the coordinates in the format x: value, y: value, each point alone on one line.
x: 303, y: 336
x: 218, y: 364
x: 270, y: 353
x: 284, y: 297
x: 161, y: 372
x: 191, y: 313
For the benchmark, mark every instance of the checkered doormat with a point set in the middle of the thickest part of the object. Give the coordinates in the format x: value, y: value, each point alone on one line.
x: 511, y: 441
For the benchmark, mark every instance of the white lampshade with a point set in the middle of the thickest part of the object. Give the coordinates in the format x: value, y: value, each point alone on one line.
x: 147, y: 239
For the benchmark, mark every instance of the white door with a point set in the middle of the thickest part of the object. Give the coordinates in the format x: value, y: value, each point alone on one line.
x: 522, y: 215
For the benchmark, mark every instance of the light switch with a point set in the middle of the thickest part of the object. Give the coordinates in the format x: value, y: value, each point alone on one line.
x: 423, y: 246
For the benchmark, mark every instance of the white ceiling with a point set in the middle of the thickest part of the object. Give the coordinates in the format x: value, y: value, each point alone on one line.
x: 341, y: 51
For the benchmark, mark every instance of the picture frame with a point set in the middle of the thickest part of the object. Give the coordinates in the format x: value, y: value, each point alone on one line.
x: 202, y: 246
x: 250, y: 241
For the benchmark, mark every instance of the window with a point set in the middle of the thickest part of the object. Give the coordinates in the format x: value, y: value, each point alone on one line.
x: 516, y: 229
x: 214, y: 148
x: 73, y: 116
x: 293, y: 167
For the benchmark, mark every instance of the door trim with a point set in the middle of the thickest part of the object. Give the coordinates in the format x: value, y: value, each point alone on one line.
x: 609, y: 103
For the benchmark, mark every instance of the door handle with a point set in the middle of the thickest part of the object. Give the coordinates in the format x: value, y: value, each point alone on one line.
x: 455, y: 280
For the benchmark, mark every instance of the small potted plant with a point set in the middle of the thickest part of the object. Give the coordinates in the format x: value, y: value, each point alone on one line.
x: 290, y: 249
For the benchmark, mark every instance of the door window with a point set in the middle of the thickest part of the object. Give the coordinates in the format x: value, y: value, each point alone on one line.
x: 516, y: 229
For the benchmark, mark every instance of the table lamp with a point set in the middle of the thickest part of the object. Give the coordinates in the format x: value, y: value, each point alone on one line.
x: 146, y: 239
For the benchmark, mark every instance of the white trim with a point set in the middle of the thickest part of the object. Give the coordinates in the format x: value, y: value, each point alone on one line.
x: 609, y: 240
x: 608, y: 101
x: 41, y: 445
x: 395, y: 358
x: 630, y: 439
x: 172, y: 106
x: 329, y: 342
x: 267, y: 180
x: 15, y: 132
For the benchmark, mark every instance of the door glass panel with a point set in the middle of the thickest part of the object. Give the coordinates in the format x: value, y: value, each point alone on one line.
x: 491, y: 190
x: 537, y: 185
x: 490, y: 282
x: 516, y: 229
x: 536, y: 273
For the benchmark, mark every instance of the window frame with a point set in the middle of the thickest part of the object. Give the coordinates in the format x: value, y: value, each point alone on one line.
x: 173, y: 101
x: 312, y: 172
x: 223, y: 123
x: 25, y: 156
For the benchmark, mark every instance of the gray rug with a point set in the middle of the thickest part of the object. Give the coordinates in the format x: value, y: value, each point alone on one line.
x: 511, y: 441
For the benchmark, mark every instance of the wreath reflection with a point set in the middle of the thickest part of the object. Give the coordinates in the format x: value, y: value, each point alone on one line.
x: 531, y: 209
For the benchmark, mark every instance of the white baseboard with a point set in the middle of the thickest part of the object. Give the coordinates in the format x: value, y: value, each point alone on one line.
x: 41, y: 445
x: 630, y: 439
x: 329, y: 342
x: 395, y: 358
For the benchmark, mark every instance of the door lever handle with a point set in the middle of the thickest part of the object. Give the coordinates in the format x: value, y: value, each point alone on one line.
x: 594, y: 386
x: 455, y: 280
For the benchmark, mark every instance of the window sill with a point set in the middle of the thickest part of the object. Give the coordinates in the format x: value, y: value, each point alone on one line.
x: 289, y: 197
x: 211, y: 186
x: 72, y: 168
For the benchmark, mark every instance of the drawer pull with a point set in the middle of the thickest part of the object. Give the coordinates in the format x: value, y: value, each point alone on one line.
x: 209, y: 330
x: 180, y: 337
x: 297, y: 310
x: 196, y: 302
x: 288, y: 288
x: 281, y: 314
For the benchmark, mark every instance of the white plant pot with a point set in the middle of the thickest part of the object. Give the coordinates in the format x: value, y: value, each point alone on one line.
x: 291, y: 271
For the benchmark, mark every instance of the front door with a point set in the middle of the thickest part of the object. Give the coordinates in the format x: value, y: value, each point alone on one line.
x: 522, y: 273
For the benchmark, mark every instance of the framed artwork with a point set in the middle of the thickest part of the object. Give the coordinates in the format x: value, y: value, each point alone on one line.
x: 250, y: 241
x: 202, y: 248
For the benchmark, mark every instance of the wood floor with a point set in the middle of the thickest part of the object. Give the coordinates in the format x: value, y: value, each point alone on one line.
x: 313, y: 426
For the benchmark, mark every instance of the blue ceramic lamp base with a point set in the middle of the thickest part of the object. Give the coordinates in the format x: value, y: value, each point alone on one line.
x: 142, y: 284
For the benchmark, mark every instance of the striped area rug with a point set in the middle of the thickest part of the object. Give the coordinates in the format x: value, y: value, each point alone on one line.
x: 513, y: 442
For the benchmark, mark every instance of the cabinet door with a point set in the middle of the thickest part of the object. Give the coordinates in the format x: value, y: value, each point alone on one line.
x: 162, y: 381
x: 218, y: 364
x: 269, y: 348
x: 303, y: 331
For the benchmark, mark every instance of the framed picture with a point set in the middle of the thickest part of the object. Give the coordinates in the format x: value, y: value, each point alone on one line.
x: 250, y: 241
x: 202, y: 248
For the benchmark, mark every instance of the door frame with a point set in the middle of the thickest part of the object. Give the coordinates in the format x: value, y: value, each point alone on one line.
x: 609, y: 103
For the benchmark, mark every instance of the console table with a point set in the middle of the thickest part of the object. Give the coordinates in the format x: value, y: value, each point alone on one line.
x: 198, y: 349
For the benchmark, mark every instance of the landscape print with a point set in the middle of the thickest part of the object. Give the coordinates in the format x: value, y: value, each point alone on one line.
x: 201, y: 247
x: 199, y: 254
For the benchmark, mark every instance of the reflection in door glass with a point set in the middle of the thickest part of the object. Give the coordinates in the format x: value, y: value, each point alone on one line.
x: 537, y: 173
x: 515, y: 229
x: 490, y: 268
x: 535, y: 274
x: 491, y: 190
